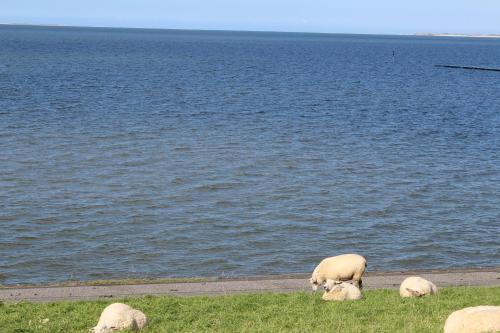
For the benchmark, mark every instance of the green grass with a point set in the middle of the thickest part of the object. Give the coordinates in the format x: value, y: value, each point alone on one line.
x: 379, y: 311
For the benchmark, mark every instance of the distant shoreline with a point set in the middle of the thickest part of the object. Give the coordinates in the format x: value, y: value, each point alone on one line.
x: 423, y: 34
x: 457, y: 35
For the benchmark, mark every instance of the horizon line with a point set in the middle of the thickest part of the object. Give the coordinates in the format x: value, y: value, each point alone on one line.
x: 418, y: 34
x: 55, y: 25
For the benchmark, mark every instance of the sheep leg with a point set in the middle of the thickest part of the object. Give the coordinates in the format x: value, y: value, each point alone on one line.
x: 358, y: 282
x: 356, y: 278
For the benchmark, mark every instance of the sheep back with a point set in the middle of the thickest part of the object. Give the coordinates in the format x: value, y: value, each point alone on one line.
x: 340, y: 268
x: 415, y: 286
x: 341, y: 292
x: 475, y: 319
x: 119, y: 316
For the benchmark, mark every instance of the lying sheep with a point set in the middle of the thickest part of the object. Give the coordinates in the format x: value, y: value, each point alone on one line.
x: 415, y: 286
x: 340, y: 268
x: 118, y: 316
x: 475, y: 319
x: 340, y: 291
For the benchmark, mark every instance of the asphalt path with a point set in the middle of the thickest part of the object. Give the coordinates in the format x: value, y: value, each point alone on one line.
x: 256, y: 284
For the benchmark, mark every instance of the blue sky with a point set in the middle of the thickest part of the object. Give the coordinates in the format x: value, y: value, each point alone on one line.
x: 356, y: 16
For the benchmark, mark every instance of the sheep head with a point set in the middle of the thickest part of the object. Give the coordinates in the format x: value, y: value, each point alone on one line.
x: 415, y: 292
x: 332, y: 285
x: 314, y: 283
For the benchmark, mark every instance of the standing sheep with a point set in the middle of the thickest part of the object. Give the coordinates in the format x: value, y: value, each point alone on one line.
x: 118, y: 316
x: 344, y: 267
x: 477, y: 319
x: 340, y: 292
x: 415, y: 286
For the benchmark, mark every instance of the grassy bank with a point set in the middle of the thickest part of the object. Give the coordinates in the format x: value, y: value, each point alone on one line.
x: 379, y: 311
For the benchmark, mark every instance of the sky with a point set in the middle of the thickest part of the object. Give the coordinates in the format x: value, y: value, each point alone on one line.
x: 332, y: 16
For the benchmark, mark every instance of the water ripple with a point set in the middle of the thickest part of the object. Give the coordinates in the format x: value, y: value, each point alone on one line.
x: 135, y: 154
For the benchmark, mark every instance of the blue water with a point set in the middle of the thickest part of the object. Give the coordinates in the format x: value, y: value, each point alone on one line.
x: 157, y: 153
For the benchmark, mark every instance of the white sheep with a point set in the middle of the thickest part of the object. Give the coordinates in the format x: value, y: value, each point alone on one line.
x: 340, y: 291
x: 415, y: 286
x: 118, y: 316
x: 344, y: 267
x: 475, y: 319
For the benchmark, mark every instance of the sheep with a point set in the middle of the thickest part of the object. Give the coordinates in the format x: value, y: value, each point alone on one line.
x: 344, y: 267
x: 340, y: 291
x: 118, y: 316
x: 475, y: 319
x: 415, y: 286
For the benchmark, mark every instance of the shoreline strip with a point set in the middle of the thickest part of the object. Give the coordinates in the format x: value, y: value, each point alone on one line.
x: 285, y: 283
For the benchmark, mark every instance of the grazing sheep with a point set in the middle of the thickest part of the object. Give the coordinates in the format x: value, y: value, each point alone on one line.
x: 118, y: 316
x: 340, y: 291
x: 477, y: 319
x: 340, y: 268
x: 415, y: 286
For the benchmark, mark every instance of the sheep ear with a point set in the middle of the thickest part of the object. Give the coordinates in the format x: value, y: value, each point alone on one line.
x: 414, y: 292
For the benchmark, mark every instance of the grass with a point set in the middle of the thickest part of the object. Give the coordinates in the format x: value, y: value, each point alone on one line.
x: 379, y: 311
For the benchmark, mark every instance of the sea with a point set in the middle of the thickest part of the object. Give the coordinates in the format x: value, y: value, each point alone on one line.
x: 142, y: 153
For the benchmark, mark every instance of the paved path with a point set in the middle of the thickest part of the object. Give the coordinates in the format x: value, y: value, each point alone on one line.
x: 287, y: 283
